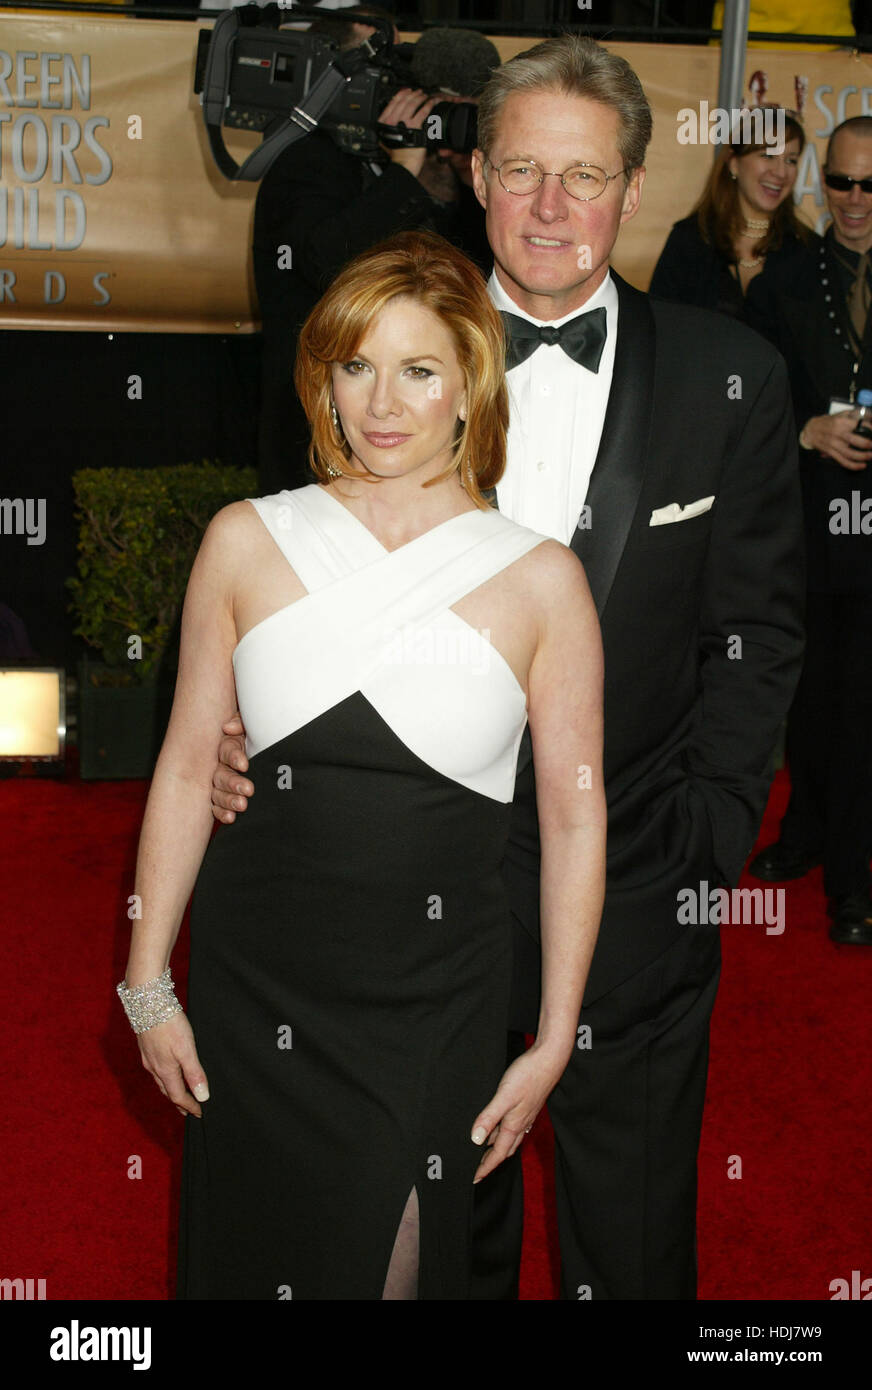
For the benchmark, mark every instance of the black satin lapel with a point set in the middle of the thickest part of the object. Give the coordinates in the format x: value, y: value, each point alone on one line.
x: 616, y: 480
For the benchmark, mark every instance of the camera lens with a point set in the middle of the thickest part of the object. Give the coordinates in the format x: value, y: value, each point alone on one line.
x: 458, y: 126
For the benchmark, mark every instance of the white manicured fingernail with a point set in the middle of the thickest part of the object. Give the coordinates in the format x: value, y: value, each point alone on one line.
x: 201, y: 1091
x: 479, y: 1134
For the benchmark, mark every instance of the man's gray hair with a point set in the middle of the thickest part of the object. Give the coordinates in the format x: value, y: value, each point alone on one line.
x: 576, y: 66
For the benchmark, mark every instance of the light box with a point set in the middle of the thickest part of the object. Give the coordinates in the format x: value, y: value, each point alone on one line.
x: 32, y: 713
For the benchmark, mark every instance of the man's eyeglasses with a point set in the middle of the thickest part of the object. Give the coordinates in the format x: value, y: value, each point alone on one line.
x: 841, y: 183
x: 581, y: 181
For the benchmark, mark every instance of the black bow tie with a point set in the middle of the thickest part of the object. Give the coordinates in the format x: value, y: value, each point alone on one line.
x: 582, y: 338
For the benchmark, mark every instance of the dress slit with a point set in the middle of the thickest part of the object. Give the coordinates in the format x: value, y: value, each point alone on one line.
x: 401, y: 1280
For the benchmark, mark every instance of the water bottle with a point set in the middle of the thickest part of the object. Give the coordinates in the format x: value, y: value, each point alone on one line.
x: 864, y: 419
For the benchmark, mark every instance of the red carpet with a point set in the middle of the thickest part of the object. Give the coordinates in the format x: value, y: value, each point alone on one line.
x: 789, y: 1085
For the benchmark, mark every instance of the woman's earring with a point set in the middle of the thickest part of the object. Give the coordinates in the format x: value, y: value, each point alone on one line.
x: 732, y: 176
x: 332, y: 470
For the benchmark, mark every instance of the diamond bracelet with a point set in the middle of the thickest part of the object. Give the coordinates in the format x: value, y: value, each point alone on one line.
x: 150, y: 1004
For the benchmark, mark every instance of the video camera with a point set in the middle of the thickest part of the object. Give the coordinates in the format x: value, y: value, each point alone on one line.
x: 251, y: 76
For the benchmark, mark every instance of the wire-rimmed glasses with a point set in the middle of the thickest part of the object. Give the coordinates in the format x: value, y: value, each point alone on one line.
x: 521, y: 176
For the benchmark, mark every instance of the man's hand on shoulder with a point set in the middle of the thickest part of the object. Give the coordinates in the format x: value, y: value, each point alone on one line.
x: 230, y: 791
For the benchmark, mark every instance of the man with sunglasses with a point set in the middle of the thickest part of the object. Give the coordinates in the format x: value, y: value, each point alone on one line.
x: 817, y: 314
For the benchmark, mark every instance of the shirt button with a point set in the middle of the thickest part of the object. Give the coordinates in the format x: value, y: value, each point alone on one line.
x: 546, y: 390
x: 541, y: 465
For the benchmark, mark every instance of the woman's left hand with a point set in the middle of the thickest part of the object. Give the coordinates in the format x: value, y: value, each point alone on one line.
x: 523, y: 1090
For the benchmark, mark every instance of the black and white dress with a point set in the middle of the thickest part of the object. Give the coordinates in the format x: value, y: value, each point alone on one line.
x: 350, y: 940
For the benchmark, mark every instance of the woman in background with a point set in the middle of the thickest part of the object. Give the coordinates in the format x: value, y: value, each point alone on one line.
x: 743, y: 223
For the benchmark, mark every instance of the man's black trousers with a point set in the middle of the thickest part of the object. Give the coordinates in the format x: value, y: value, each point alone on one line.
x: 627, y: 1115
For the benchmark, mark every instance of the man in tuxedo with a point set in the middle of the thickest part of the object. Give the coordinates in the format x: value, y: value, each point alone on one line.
x: 657, y: 440
x: 817, y: 314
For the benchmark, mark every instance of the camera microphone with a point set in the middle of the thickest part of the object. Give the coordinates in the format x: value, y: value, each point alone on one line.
x: 457, y: 60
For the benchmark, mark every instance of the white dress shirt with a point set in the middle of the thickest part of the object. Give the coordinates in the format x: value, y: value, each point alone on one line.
x: 556, y: 414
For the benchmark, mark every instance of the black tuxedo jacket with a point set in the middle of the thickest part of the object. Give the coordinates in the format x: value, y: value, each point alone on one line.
x: 699, y: 407
x: 790, y: 306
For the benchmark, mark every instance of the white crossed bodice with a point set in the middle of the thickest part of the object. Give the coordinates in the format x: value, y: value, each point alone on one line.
x: 380, y: 622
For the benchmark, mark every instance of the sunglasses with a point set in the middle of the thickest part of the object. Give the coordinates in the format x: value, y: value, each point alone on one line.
x: 841, y: 183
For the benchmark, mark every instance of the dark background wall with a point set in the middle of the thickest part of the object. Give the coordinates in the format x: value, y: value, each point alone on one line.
x: 65, y: 405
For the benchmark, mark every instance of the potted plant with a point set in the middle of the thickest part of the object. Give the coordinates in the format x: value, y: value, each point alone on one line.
x: 139, y: 531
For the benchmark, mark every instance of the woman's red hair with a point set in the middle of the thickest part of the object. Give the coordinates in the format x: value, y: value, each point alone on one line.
x: 421, y: 266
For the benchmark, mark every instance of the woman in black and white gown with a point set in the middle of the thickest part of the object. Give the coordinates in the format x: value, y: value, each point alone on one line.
x: 386, y: 634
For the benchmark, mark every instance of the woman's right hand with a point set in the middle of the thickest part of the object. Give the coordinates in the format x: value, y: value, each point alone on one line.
x: 169, y: 1053
x: 509, y: 1115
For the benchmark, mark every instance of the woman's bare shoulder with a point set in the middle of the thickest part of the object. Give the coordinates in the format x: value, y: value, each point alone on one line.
x: 551, y: 568
x: 229, y: 542
x: 233, y: 531
x: 236, y: 520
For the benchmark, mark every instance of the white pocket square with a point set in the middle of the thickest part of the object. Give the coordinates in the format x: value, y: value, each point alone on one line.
x: 664, y: 516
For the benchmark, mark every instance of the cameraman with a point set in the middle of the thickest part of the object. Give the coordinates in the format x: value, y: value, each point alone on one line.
x: 327, y: 206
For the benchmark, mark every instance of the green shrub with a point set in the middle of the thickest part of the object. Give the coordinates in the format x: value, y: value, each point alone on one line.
x: 139, y: 531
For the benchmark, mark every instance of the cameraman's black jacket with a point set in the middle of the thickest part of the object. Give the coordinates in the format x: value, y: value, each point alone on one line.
x: 326, y: 206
